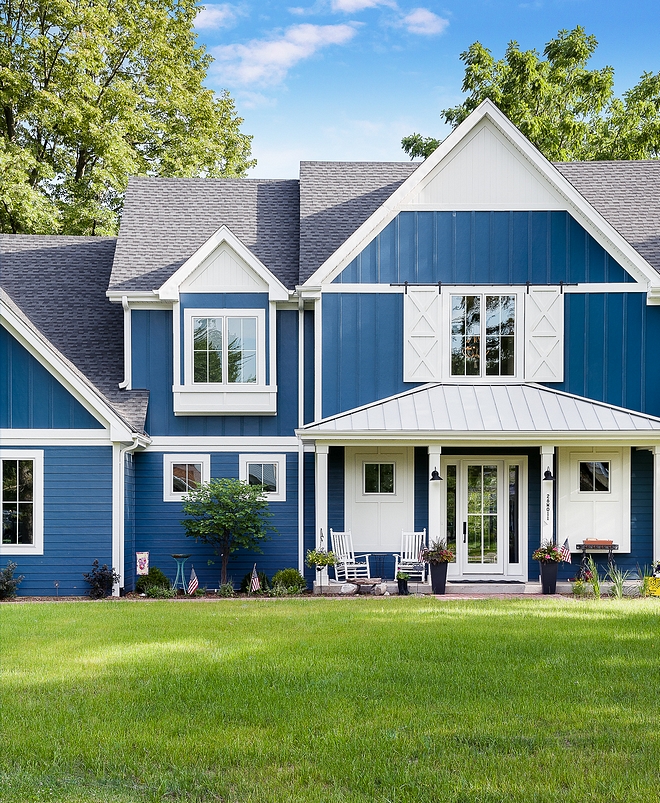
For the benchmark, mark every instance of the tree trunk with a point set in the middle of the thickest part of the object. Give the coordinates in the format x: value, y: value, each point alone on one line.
x: 225, y: 560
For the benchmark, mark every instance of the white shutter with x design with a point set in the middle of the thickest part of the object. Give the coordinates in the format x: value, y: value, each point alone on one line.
x: 421, y: 330
x: 544, y: 335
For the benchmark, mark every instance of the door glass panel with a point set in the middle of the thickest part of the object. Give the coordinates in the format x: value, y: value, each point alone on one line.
x: 451, y: 509
x: 514, y: 547
x: 482, y: 514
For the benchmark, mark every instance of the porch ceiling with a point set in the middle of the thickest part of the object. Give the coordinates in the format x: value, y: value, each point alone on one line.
x: 514, y: 411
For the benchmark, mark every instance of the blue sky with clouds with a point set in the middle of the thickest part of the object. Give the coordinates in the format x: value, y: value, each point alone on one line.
x: 346, y: 79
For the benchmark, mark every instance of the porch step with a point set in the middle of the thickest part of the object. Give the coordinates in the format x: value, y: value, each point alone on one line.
x: 474, y: 589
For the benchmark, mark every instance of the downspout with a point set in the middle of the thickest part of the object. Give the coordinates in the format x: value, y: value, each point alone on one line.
x: 301, y: 446
x: 126, y: 384
x: 118, y: 558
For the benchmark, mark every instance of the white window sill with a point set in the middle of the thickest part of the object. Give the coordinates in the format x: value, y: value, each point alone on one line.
x: 215, y: 399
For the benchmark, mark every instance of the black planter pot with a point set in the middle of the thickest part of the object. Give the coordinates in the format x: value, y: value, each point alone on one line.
x: 403, y: 588
x: 549, y: 577
x: 438, y: 577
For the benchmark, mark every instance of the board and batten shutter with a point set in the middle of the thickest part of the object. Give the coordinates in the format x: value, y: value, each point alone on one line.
x: 421, y: 335
x: 544, y: 335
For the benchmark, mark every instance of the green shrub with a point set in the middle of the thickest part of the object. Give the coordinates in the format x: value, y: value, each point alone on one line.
x: 158, y: 592
x: 9, y: 583
x: 291, y: 579
x: 100, y: 580
x: 263, y: 580
x: 226, y: 590
x: 155, y: 578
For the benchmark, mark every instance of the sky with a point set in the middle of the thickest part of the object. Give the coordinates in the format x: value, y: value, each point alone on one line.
x: 345, y: 80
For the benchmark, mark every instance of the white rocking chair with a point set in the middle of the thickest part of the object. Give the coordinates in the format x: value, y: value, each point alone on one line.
x: 348, y: 566
x: 408, y: 559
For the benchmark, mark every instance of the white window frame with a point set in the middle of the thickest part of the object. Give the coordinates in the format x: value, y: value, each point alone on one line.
x: 169, y: 460
x: 518, y: 333
x: 280, y: 473
x: 375, y: 462
x: 189, y: 341
x: 595, y: 493
x: 37, y: 545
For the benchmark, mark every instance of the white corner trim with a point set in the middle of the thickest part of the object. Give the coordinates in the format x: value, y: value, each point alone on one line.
x: 169, y: 459
x: 37, y: 545
x: 280, y: 463
x: 602, y: 231
x: 169, y: 291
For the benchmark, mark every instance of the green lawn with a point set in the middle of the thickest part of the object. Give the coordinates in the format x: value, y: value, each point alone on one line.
x: 386, y: 700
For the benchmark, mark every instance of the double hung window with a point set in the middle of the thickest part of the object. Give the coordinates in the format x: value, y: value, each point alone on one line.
x: 225, y: 349
x: 483, y: 335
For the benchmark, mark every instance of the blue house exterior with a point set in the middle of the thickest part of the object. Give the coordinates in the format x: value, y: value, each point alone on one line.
x: 485, y: 315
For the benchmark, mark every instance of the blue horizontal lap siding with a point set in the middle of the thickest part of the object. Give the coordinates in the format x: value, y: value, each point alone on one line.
x: 129, y: 521
x: 77, y: 521
x: 152, y: 369
x: 159, y: 531
x: 483, y: 248
x: 31, y: 397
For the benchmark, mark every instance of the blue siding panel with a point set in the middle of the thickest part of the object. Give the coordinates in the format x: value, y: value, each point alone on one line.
x: 31, y: 397
x: 421, y: 492
x: 159, y: 530
x: 309, y: 496
x: 336, y: 484
x: 309, y: 366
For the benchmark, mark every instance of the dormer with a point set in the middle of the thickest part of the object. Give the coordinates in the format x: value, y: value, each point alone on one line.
x: 224, y: 330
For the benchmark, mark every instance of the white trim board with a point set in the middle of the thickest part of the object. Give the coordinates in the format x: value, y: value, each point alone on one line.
x: 223, y: 444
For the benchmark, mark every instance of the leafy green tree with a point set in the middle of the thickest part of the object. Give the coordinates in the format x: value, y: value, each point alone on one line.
x: 229, y: 515
x: 92, y: 92
x: 568, y: 111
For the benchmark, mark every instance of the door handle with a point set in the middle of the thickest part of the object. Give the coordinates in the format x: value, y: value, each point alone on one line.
x: 464, y: 531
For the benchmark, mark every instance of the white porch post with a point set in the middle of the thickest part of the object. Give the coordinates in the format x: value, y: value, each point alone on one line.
x: 547, y: 495
x: 435, y: 495
x: 321, y: 498
x: 656, y: 503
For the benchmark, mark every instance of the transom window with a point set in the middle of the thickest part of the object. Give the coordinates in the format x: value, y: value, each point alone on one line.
x: 595, y: 476
x: 483, y: 335
x: 17, y: 502
x: 225, y: 349
x: 379, y: 478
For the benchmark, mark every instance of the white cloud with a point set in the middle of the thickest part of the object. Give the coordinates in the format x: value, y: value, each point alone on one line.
x: 216, y: 15
x: 424, y: 22
x: 351, y: 6
x: 267, y: 61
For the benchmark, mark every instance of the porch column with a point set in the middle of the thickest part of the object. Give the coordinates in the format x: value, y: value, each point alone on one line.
x: 321, y: 500
x: 435, y: 495
x: 547, y: 495
x: 656, y: 503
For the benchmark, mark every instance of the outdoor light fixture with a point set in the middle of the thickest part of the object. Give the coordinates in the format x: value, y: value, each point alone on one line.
x: 548, y: 475
x: 435, y: 476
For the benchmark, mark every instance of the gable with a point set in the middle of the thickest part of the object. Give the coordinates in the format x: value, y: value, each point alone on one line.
x: 31, y: 397
x: 223, y: 271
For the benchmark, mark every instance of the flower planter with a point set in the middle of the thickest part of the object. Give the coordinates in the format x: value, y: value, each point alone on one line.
x: 549, y: 577
x: 438, y: 577
x: 403, y: 588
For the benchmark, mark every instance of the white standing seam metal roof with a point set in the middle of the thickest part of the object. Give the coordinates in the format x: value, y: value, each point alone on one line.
x: 485, y: 409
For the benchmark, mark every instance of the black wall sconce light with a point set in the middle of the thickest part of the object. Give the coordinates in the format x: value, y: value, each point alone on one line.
x: 435, y: 476
x: 548, y: 475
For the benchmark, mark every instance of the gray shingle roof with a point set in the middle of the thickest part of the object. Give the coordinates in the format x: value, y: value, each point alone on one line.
x: 627, y: 195
x: 59, y: 284
x: 165, y: 220
x: 335, y: 200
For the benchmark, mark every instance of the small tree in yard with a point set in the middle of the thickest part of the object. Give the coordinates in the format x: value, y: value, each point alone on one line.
x: 229, y: 515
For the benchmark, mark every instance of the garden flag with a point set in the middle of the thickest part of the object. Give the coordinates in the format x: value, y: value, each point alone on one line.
x: 192, y: 585
x: 565, y: 552
x: 255, y: 585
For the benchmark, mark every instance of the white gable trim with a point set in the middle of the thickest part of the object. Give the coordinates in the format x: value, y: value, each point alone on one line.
x: 602, y: 231
x: 170, y: 290
x: 44, y: 352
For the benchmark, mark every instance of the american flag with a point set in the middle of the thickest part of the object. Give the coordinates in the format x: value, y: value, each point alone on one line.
x: 194, y: 582
x: 255, y: 585
x: 565, y: 552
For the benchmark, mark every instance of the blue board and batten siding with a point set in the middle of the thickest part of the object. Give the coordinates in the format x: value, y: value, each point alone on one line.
x: 31, y: 397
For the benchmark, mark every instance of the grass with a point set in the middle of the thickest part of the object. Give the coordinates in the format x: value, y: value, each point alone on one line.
x: 388, y: 700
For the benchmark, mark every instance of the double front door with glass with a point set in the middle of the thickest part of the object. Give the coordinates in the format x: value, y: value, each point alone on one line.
x: 483, y: 516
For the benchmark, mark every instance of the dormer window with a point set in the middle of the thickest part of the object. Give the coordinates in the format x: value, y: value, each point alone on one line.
x: 225, y: 349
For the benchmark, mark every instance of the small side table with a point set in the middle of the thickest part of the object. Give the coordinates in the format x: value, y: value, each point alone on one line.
x: 180, y: 581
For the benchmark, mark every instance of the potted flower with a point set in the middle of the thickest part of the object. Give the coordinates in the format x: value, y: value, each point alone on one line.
x: 320, y: 559
x: 437, y: 556
x: 549, y: 558
x: 402, y: 581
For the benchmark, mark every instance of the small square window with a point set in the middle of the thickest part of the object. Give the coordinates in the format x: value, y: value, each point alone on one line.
x: 594, y: 476
x: 268, y: 470
x: 183, y: 473
x: 379, y: 478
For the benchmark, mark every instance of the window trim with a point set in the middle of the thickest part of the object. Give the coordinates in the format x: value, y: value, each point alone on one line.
x: 279, y: 460
x: 37, y: 545
x: 169, y: 459
x: 595, y: 492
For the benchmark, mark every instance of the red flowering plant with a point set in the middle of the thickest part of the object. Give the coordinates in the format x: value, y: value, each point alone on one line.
x: 437, y: 552
x: 547, y: 553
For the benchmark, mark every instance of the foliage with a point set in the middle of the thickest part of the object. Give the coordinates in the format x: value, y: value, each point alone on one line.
x: 290, y: 579
x: 101, y: 580
x: 8, y: 583
x: 618, y: 578
x: 320, y: 558
x: 437, y: 552
x: 594, y: 577
x: 547, y: 553
x: 91, y: 93
x: 402, y: 576
x: 226, y: 590
x: 568, y: 111
x: 160, y: 592
x: 579, y: 587
x: 155, y: 577
x: 264, y: 585
x: 227, y: 514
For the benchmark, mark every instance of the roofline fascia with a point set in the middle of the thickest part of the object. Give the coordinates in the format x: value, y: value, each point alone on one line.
x: 531, y: 438
x: 45, y: 353
x: 169, y: 290
x: 486, y: 109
